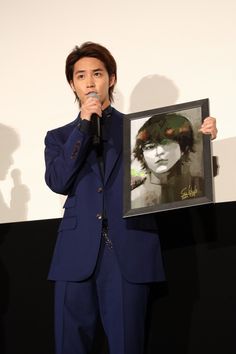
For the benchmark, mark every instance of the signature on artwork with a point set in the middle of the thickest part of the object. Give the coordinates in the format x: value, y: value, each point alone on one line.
x: 188, y: 192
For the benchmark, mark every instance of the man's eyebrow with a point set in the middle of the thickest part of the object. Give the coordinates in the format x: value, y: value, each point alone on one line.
x: 83, y: 71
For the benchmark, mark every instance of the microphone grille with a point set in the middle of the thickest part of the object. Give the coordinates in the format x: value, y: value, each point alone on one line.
x: 93, y: 94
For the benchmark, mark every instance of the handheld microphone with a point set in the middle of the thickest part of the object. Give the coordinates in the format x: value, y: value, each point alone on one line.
x: 95, y: 119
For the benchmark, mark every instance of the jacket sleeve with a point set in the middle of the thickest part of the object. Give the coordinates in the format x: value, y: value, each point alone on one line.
x: 64, y: 156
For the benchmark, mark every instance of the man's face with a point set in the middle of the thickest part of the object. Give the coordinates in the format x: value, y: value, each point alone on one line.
x: 90, y: 75
x: 161, y: 158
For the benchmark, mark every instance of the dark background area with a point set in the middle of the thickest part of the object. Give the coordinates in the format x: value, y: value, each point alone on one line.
x: 193, y: 312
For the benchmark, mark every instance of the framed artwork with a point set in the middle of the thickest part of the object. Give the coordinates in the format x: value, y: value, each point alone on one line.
x: 167, y: 160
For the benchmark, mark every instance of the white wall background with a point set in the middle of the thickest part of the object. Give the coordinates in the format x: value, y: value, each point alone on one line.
x: 167, y: 52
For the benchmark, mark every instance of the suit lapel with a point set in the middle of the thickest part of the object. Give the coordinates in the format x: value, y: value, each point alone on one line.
x: 93, y: 161
x: 92, y: 156
x: 112, y: 148
x: 114, y: 144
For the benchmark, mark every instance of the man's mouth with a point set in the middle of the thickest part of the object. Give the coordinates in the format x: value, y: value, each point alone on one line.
x: 161, y: 161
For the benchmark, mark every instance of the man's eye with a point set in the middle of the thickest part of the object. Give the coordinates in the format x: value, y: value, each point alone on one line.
x: 149, y: 147
x: 97, y: 74
x: 80, y: 77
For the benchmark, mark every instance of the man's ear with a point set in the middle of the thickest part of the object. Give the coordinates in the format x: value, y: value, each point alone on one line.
x: 72, y: 86
x: 112, y: 80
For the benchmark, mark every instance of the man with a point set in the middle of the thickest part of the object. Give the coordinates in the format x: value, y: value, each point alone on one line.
x: 102, y: 264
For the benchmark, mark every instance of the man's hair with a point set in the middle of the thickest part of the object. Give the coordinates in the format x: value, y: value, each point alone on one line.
x: 161, y: 128
x: 92, y: 50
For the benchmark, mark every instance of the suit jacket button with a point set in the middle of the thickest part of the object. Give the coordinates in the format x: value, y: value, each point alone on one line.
x: 99, y: 216
x: 100, y: 189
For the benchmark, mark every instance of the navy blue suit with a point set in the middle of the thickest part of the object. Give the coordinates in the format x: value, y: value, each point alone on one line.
x: 72, y: 169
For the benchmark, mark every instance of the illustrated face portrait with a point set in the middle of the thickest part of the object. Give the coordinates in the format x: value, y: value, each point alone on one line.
x: 162, y: 141
x: 160, y: 158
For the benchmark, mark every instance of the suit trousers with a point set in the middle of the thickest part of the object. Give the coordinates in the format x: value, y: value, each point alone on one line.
x: 121, y: 306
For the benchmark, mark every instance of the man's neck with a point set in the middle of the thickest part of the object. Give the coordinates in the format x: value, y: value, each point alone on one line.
x: 105, y: 104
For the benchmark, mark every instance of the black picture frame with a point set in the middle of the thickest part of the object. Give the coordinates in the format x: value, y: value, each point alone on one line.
x: 189, y: 181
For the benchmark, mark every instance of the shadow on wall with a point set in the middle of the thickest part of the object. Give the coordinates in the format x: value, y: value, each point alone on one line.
x: 118, y: 100
x: 19, y: 194
x: 153, y: 91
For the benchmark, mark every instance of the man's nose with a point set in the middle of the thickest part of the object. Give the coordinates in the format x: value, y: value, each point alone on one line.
x: 159, y: 150
x: 90, y: 82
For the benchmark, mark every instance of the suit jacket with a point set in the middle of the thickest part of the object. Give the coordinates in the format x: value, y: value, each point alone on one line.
x: 72, y: 169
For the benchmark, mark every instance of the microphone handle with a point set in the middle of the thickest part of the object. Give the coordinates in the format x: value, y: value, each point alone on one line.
x: 97, y: 129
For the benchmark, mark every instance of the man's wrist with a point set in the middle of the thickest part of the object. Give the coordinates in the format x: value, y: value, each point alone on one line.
x: 84, y: 125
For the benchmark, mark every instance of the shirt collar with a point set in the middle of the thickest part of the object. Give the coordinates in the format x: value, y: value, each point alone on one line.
x: 107, y: 112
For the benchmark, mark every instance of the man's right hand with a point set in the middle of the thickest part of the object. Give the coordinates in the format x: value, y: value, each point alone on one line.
x: 91, y: 106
